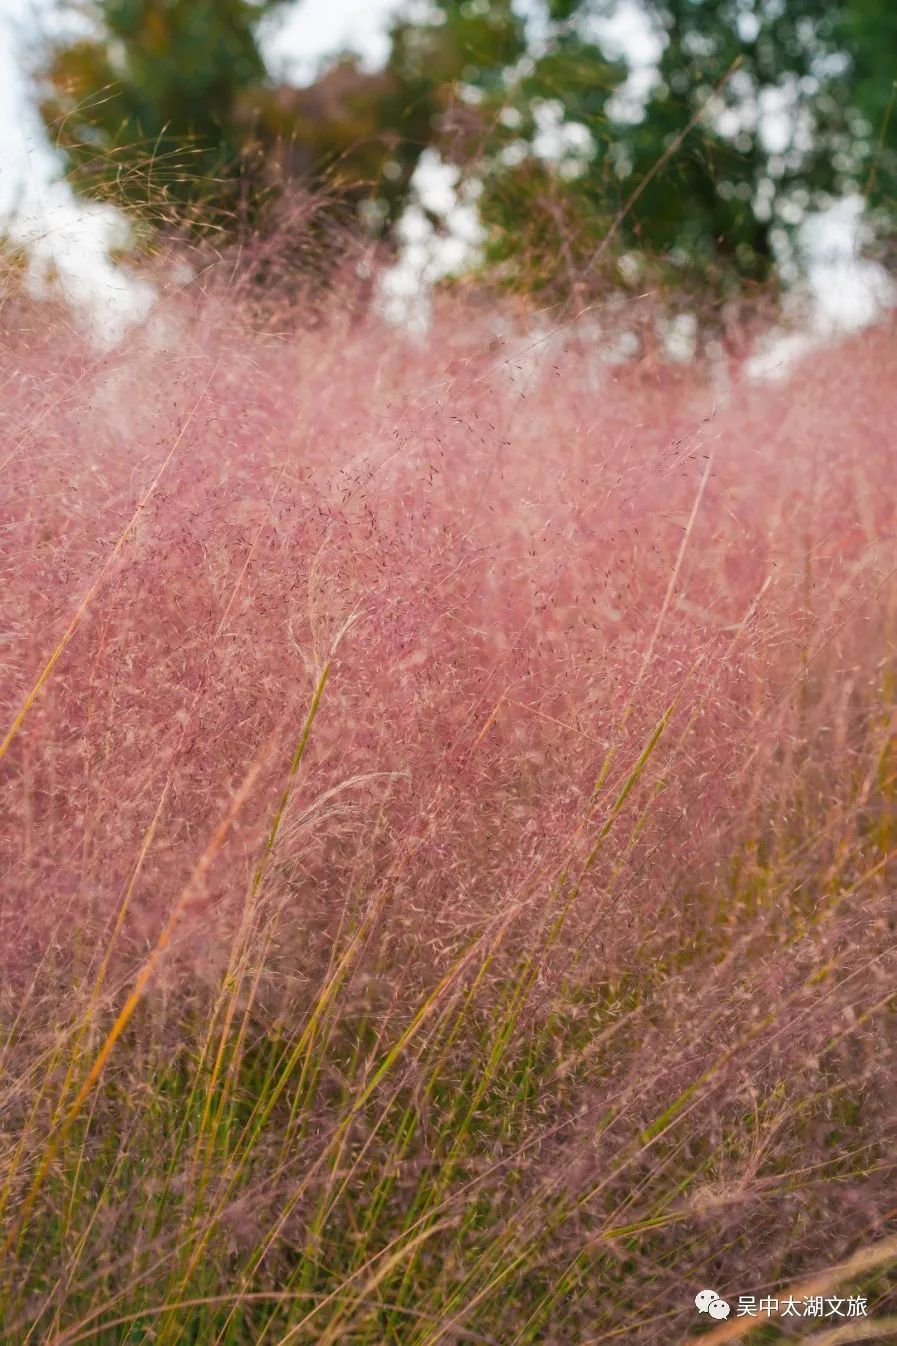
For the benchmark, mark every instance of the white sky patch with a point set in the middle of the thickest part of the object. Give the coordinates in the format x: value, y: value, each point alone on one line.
x: 628, y: 35
x: 680, y: 336
x: 849, y: 290
x: 778, y: 118
x: 296, y: 41
x: 844, y: 292
x: 66, y: 241
x: 558, y: 141
x: 431, y: 252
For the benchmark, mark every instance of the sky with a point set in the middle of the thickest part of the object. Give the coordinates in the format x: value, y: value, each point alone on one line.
x: 297, y: 40
x: 67, y: 241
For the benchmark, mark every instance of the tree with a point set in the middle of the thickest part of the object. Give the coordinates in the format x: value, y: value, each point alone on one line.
x: 158, y: 102
x: 759, y: 111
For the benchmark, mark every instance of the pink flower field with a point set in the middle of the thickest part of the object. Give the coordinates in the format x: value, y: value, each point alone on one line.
x: 449, y: 794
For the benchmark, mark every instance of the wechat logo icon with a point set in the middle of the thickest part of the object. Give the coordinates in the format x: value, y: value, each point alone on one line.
x: 708, y: 1301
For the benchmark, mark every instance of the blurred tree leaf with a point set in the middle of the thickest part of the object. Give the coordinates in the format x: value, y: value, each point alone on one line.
x: 758, y: 112
x: 155, y: 103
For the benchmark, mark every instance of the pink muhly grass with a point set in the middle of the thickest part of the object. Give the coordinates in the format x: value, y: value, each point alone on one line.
x: 543, y: 969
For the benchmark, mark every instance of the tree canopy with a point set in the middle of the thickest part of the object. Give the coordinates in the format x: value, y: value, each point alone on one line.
x: 756, y: 112
x: 154, y: 98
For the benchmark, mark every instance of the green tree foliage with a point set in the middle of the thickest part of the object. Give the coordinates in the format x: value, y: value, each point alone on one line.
x: 758, y: 111
x: 169, y: 100
x: 159, y: 100
x: 867, y: 29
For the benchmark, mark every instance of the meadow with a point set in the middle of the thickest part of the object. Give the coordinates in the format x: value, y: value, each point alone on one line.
x: 449, y: 794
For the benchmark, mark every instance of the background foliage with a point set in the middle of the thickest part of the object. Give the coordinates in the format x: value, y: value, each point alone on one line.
x: 758, y: 112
